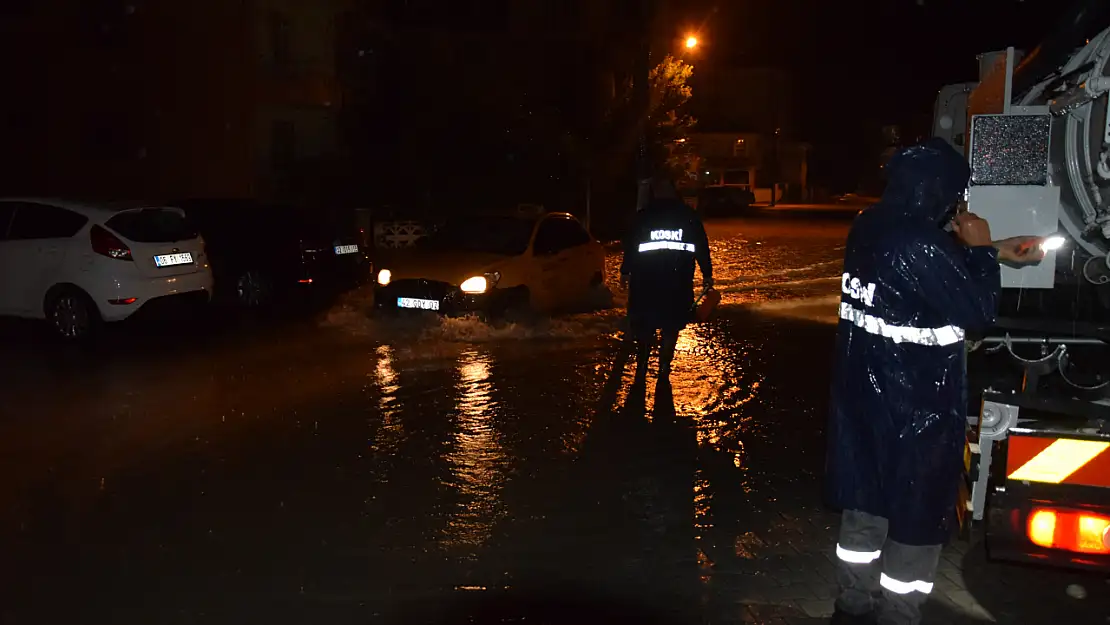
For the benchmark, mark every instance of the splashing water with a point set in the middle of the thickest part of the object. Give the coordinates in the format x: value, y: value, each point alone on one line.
x: 787, y: 270
x: 816, y: 309
x: 355, y: 314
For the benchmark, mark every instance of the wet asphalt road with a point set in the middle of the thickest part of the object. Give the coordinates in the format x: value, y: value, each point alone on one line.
x: 343, y: 469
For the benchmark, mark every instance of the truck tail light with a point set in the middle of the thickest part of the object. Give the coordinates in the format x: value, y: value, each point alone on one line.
x: 1069, y: 530
x: 1042, y: 528
x: 1094, y: 534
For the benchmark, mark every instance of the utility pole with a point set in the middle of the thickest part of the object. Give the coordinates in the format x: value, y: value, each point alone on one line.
x: 776, y: 122
x: 642, y: 97
x: 774, y: 166
x: 589, y: 196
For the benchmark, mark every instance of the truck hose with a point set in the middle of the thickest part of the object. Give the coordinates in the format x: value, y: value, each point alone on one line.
x: 1078, y: 24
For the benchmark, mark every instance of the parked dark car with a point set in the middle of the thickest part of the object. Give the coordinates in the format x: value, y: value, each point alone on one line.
x: 725, y: 201
x: 262, y: 252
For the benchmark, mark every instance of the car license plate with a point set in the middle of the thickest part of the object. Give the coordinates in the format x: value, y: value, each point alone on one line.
x: 417, y: 304
x: 345, y: 249
x: 169, y: 260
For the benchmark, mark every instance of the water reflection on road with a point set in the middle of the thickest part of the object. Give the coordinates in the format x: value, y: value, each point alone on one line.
x: 477, y: 459
x: 351, y: 461
x: 349, y: 468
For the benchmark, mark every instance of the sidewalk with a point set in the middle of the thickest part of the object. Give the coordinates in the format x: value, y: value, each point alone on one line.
x: 830, y: 207
x: 787, y: 575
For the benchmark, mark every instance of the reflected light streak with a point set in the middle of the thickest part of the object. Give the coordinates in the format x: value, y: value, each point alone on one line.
x: 477, y: 459
x: 385, y: 374
x: 748, y: 546
x: 711, y: 387
x: 703, y: 502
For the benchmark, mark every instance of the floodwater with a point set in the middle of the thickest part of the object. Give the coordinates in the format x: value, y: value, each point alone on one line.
x: 348, y: 469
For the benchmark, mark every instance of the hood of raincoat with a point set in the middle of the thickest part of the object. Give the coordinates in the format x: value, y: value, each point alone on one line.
x: 926, y: 180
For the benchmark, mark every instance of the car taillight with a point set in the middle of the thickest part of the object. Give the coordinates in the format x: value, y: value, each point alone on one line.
x: 107, y: 244
x: 1069, y: 530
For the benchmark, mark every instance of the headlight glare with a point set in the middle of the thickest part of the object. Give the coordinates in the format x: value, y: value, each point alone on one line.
x: 477, y: 284
x: 384, y: 276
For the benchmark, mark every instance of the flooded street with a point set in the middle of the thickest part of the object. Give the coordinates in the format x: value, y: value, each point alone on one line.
x: 347, y: 469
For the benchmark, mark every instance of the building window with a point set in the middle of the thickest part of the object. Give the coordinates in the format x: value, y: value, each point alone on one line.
x: 283, y: 144
x: 280, y: 44
x: 739, y: 148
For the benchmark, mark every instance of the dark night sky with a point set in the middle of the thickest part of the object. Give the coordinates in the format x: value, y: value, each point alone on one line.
x: 860, y: 64
x: 856, y: 64
x: 881, y: 60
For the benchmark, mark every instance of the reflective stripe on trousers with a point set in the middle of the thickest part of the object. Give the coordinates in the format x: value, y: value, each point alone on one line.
x: 940, y: 337
x: 857, y: 557
x: 891, y: 584
x: 880, y: 575
x: 905, y: 588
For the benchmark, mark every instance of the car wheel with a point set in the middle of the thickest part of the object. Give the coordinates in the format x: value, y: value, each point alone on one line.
x: 252, y: 289
x: 517, y: 306
x: 72, y: 315
x: 599, y: 296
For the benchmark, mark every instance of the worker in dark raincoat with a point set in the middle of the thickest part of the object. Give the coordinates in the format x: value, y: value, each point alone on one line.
x: 910, y: 293
x: 665, y: 241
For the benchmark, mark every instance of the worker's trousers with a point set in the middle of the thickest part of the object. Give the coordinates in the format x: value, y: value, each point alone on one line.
x: 881, y: 575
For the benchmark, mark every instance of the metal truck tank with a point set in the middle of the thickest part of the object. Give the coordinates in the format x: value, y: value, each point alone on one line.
x: 1036, y: 131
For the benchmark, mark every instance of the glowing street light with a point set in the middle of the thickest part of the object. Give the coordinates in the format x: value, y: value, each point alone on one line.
x: 691, y: 42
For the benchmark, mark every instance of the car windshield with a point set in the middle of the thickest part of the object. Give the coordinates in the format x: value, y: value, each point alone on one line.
x: 508, y: 236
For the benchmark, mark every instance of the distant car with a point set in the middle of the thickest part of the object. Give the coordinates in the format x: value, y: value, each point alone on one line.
x: 725, y: 200
x: 854, y: 199
x: 262, y: 252
x: 77, y: 264
x: 495, y: 264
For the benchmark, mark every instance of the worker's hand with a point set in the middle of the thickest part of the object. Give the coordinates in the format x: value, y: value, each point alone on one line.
x: 1020, y: 250
x: 973, y: 230
x: 707, y: 283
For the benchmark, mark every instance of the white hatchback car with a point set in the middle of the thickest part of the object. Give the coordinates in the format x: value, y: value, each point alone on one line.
x: 78, y: 263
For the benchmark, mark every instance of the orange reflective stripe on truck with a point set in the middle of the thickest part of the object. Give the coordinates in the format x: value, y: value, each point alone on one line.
x: 1058, y: 461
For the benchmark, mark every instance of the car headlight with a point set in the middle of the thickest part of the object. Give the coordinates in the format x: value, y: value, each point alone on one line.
x: 384, y: 276
x: 477, y: 284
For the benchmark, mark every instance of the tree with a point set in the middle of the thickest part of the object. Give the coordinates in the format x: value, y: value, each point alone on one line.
x: 669, y: 123
x: 601, y: 150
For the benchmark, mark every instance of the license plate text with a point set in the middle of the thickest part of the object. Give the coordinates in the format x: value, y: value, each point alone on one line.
x: 418, y: 304
x: 169, y: 260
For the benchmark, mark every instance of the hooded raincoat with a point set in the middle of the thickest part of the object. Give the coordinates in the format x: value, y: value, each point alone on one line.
x: 909, y: 294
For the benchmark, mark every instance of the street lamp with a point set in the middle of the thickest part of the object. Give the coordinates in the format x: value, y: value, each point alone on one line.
x: 691, y: 42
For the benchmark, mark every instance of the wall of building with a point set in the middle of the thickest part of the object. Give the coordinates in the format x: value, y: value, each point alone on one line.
x: 724, y: 152
x: 298, y: 93
x: 154, y: 100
